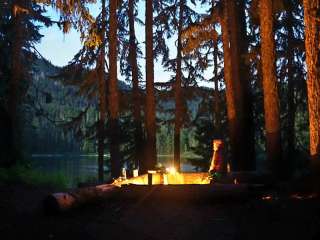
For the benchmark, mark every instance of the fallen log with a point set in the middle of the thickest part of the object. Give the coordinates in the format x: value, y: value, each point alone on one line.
x: 182, y: 187
x: 190, y: 193
x: 60, y: 202
x: 250, y: 178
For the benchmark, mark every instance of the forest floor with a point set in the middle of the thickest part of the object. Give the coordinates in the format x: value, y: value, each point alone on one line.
x: 22, y: 217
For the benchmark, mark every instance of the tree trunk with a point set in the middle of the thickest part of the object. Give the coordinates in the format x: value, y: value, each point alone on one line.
x: 270, y: 89
x: 194, y: 193
x: 113, y: 98
x: 6, y: 141
x: 238, y: 148
x: 150, y: 111
x: 177, y: 93
x: 247, y: 162
x: 242, y: 141
x: 230, y: 98
x: 15, y: 81
x: 216, y: 94
x: 102, y: 95
x: 138, y: 135
x: 312, y: 34
x: 291, y: 103
x: 234, y: 90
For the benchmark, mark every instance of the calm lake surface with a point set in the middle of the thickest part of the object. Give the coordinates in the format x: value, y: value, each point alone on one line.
x: 83, y: 168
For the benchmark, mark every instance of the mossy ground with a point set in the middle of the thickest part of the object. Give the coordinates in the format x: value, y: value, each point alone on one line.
x: 23, y: 174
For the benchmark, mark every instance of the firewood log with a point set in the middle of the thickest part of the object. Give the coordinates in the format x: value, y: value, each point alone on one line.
x: 189, y: 193
x: 59, y: 202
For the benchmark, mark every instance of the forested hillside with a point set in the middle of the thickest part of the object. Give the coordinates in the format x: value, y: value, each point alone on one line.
x: 52, y: 106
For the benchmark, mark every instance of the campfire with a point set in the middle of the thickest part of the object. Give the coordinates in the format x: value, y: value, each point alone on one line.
x: 219, y: 172
x: 167, y: 177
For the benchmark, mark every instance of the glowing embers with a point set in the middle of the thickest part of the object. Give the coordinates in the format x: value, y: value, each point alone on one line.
x: 296, y: 196
x: 299, y: 196
x: 187, y: 178
x: 139, y: 180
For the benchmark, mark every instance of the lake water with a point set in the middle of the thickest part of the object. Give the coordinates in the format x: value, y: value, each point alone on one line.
x: 83, y: 168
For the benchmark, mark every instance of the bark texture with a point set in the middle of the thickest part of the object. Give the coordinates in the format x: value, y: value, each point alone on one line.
x: 229, y: 81
x: 113, y: 98
x: 16, y: 76
x: 239, y: 150
x: 61, y: 202
x: 6, y: 141
x: 238, y: 88
x: 270, y: 89
x: 247, y: 162
x: 312, y: 34
x: 138, y: 135
x: 150, y: 105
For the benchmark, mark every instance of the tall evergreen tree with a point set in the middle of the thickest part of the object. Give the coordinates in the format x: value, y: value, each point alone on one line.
x: 241, y: 135
x: 93, y: 36
x: 312, y: 35
x: 247, y: 161
x: 231, y: 15
x: 289, y: 34
x: 230, y: 81
x: 80, y: 70
x: 133, y: 55
x: 16, y: 74
x: 113, y: 95
x: 291, y: 84
x: 270, y: 89
x: 102, y: 92
x: 177, y: 90
x: 172, y: 17
x: 150, y: 104
x: 19, y: 30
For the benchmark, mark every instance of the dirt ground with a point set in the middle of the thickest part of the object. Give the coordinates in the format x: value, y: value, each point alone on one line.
x: 22, y: 217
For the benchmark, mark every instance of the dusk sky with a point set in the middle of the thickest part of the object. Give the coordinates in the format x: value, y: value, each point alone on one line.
x: 59, y: 48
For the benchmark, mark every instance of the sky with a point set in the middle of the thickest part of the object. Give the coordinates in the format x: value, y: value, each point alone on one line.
x: 59, y: 48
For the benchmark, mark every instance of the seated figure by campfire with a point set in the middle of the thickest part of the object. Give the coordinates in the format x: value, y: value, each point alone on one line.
x: 216, y: 166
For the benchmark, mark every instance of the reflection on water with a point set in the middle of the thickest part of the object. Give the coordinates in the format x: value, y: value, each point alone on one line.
x: 75, y: 168
x: 83, y: 168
